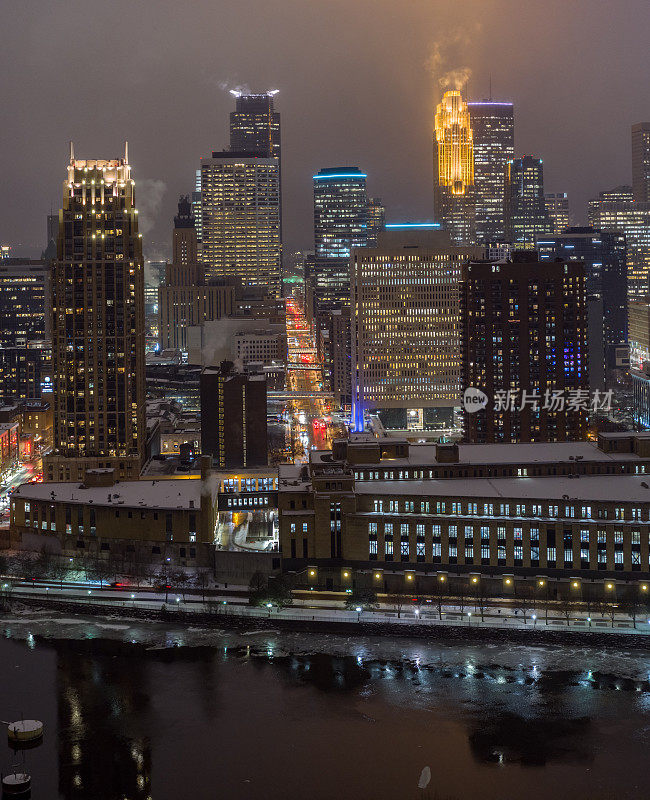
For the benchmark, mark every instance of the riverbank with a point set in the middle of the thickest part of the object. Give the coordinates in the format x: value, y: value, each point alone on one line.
x: 239, y: 618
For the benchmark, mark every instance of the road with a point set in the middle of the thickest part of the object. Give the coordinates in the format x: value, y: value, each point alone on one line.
x: 22, y: 473
x: 312, y: 424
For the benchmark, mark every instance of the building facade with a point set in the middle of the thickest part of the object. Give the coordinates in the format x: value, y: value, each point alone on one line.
x: 524, y: 343
x: 641, y: 162
x: 240, y: 206
x: 255, y: 124
x: 376, y: 219
x: 340, y: 223
x: 557, y: 210
x: 405, y: 327
x: 233, y: 417
x: 98, y: 324
x: 616, y: 210
x: 535, y: 520
x: 454, y: 194
x: 25, y: 302
x: 604, y: 256
x: 525, y: 203
x: 493, y: 127
x: 639, y: 332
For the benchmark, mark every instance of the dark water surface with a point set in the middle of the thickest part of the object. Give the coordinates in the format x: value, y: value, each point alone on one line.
x: 135, y: 711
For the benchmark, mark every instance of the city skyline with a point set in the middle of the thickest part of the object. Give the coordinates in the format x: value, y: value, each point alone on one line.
x: 367, y: 123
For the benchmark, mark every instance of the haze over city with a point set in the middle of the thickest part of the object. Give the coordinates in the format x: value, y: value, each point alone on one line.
x: 358, y: 86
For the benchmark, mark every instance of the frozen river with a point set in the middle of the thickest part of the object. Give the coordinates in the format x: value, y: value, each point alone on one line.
x: 138, y: 711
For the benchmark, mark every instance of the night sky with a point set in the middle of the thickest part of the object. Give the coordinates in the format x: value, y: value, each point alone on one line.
x: 358, y: 83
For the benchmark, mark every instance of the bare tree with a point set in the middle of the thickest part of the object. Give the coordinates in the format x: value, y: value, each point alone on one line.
x: 397, y: 600
x: 566, y: 607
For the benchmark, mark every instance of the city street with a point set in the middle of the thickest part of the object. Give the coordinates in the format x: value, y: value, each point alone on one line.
x: 310, y: 417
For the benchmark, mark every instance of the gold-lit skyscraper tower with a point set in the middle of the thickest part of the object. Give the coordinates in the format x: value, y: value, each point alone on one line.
x: 98, y: 324
x: 453, y: 168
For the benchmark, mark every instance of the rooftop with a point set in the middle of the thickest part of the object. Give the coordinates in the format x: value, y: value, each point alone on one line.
x: 156, y: 494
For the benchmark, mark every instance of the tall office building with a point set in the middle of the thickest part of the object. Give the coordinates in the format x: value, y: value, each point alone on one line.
x: 557, y: 210
x: 233, y: 417
x: 240, y: 203
x: 641, y: 162
x: 405, y: 327
x: 616, y: 210
x: 493, y: 127
x: 376, y: 219
x: 454, y: 195
x: 98, y: 324
x: 639, y: 332
x: 604, y: 256
x: 525, y: 205
x: 340, y: 223
x: 196, y: 208
x: 524, y: 328
x: 255, y: 124
x: 25, y: 302
x: 184, y: 299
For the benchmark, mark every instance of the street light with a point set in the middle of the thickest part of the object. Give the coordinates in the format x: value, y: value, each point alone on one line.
x: 469, y: 618
x: 358, y: 610
x: 534, y: 620
x: 269, y: 606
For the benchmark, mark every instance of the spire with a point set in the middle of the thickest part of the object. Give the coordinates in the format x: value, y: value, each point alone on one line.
x: 126, y: 152
x: 71, y: 152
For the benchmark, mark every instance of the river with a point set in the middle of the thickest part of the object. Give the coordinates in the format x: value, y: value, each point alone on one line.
x: 164, y: 712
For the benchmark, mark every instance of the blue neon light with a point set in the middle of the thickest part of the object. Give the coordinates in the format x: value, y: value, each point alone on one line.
x: 341, y: 175
x: 413, y: 225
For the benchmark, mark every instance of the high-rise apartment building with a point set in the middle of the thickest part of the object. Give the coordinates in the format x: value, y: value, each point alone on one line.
x: 405, y: 327
x: 340, y: 223
x: 641, y: 162
x: 98, y: 324
x: 233, y: 417
x: 525, y: 204
x: 639, y: 332
x: 493, y: 128
x: 240, y: 203
x: 557, y: 210
x: 524, y: 329
x: 185, y: 299
x: 196, y: 208
x: 616, y: 210
x: 604, y: 256
x: 454, y: 195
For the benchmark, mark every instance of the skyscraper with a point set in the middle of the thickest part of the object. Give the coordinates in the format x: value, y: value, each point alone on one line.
x: 557, y: 210
x: 240, y: 203
x: 98, y: 324
x: 196, y: 208
x: 641, y: 162
x: 454, y: 197
x: 255, y: 124
x: 604, y: 256
x: 524, y: 326
x: 405, y: 327
x: 525, y: 206
x: 616, y: 210
x: 340, y: 223
x: 493, y: 128
x: 376, y: 219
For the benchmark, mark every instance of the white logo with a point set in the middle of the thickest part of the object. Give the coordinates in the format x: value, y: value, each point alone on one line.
x: 474, y: 400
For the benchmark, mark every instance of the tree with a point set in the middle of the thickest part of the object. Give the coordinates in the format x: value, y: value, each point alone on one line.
x: 481, y: 600
x: 397, y: 600
x: 438, y: 594
x: 366, y: 599
x: 566, y: 607
x: 100, y: 570
x: 275, y: 590
x: 202, y: 581
x: 180, y: 579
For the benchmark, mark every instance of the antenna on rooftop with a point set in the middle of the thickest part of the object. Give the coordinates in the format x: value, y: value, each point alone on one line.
x: 71, y: 151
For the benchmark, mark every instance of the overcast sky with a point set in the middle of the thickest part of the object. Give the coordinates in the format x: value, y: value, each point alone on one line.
x: 358, y: 83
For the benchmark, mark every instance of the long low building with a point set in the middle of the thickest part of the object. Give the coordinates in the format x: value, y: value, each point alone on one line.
x: 168, y: 522
x: 568, y: 518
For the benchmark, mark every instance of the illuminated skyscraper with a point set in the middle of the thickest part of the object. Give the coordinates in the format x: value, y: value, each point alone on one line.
x: 98, y: 324
x: 616, y: 210
x: 454, y: 196
x: 376, y: 219
x: 405, y: 327
x: 240, y: 202
x: 255, y: 125
x: 196, y: 209
x: 525, y: 204
x: 340, y: 223
x: 493, y: 129
x: 557, y: 209
x: 524, y: 329
x: 641, y: 161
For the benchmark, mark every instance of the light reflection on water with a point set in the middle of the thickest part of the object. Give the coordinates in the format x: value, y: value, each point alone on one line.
x: 136, y: 705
